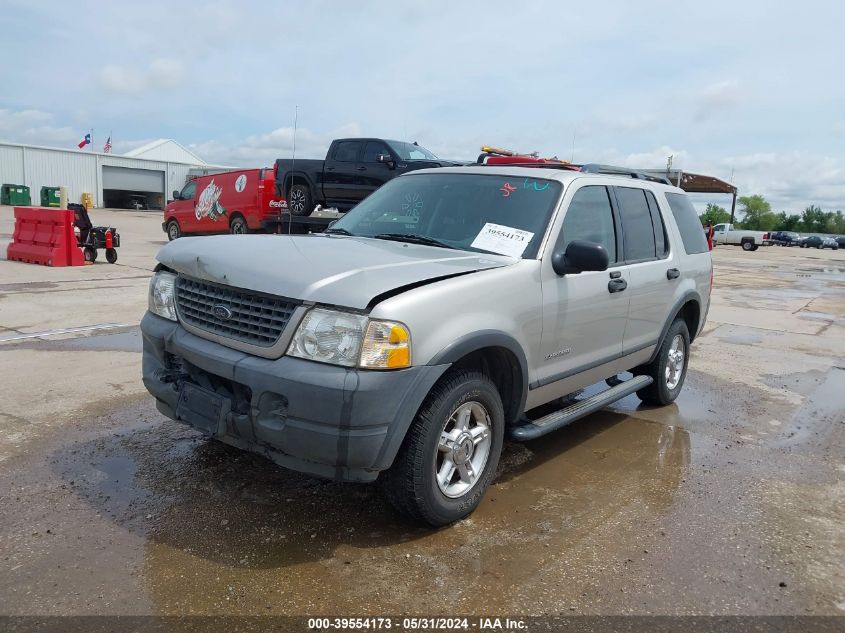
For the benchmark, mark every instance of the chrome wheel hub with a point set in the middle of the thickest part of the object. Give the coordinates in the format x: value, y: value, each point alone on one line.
x: 463, y: 449
x: 675, y: 362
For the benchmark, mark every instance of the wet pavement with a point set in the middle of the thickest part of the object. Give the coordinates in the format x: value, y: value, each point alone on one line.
x: 730, y: 501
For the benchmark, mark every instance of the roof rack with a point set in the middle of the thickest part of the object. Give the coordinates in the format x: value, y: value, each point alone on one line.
x: 595, y: 168
x: 589, y: 168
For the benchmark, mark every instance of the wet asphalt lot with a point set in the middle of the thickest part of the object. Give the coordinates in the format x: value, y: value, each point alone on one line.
x: 730, y: 501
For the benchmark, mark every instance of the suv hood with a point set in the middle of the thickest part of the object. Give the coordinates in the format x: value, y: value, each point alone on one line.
x: 335, y: 270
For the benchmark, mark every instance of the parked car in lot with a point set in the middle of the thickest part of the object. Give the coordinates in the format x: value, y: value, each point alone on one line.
x: 840, y: 241
x: 785, y: 238
x: 406, y: 343
x: 230, y: 202
x: 352, y: 170
x: 749, y: 240
x: 814, y: 241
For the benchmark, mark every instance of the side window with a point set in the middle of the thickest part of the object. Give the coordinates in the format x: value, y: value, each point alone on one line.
x: 189, y: 190
x: 637, y: 229
x: 661, y: 243
x: 372, y: 150
x: 347, y: 151
x: 688, y: 224
x: 590, y: 217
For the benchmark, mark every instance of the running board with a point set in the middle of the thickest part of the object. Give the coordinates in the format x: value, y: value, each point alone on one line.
x: 561, y: 418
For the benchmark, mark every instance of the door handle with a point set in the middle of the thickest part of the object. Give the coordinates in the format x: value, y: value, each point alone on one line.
x: 362, y: 168
x: 329, y: 168
x: 673, y: 273
x: 616, y: 285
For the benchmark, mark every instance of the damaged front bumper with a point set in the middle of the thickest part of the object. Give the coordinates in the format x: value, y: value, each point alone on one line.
x: 342, y: 423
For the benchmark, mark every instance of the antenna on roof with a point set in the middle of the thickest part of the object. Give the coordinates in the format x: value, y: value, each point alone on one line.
x: 295, y: 121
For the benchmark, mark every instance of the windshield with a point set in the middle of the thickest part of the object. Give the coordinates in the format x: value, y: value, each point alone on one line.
x: 505, y: 215
x: 409, y: 151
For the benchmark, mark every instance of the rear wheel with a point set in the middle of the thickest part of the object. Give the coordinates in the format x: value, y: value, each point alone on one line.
x: 450, y: 454
x: 299, y: 200
x: 669, y: 369
x: 90, y: 254
x: 748, y: 245
x: 238, y: 226
x: 111, y: 255
x: 173, y: 230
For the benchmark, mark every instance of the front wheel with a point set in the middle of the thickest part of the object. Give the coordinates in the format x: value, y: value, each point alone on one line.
x: 669, y: 369
x: 450, y: 454
x: 299, y: 200
x: 111, y: 255
x: 238, y: 226
x: 173, y: 230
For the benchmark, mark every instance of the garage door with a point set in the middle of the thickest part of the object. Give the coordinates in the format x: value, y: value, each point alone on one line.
x: 126, y: 179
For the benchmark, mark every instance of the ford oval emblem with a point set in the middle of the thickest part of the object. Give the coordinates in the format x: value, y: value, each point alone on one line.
x: 221, y: 312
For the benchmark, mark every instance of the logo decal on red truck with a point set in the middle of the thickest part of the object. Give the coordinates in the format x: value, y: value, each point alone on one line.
x: 208, y: 204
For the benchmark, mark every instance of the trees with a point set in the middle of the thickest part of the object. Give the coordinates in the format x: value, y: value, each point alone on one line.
x: 714, y: 214
x: 787, y: 222
x: 757, y: 213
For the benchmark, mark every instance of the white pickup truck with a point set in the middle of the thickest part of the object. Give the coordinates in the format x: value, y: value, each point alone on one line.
x: 749, y: 240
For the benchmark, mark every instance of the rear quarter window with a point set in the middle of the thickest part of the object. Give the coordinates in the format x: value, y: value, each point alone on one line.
x: 689, y: 226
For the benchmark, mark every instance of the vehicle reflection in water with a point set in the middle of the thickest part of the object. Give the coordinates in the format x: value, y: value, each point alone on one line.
x: 229, y: 532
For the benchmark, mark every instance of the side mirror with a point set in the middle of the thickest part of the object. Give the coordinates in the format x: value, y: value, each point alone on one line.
x: 580, y: 256
x: 177, y: 195
x: 387, y: 159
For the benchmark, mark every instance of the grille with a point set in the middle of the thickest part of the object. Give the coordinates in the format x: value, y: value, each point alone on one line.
x: 256, y: 319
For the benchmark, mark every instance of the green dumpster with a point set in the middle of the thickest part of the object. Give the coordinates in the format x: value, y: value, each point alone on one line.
x: 15, y: 195
x: 49, y: 196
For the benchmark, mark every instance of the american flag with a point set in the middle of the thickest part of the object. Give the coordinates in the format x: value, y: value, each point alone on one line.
x: 107, y: 146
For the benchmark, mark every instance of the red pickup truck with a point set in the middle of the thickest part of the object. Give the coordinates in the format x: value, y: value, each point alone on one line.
x: 234, y: 202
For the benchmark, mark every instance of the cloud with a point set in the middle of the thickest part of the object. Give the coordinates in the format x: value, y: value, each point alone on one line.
x: 160, y: 73
x: 715, y: 99
x: 35, y: 127
x: 264, y: 149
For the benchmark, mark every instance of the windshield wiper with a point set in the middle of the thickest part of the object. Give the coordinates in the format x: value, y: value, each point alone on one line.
x: 413, y: 239
x: 337, y: 231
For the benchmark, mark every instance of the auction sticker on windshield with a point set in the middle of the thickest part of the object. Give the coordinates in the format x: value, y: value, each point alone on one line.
x: 501, y: 239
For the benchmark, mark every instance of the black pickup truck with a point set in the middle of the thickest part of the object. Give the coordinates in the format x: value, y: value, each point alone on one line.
x: 352, y: 170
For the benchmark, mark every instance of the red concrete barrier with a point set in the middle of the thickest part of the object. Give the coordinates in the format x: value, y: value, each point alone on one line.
x: 44, y: 236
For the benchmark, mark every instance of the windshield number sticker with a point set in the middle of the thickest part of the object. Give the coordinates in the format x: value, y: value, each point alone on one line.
x: 501, y: 239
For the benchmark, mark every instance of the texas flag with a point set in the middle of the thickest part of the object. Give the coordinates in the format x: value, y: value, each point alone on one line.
x: 85, y: 141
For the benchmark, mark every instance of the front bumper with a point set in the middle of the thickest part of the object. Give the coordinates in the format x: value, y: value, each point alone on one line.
x: 342, y: 423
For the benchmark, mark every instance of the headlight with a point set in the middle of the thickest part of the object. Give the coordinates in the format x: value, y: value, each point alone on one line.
x: 343, y: 338
x: 329, y: 336
x: 162, y: 300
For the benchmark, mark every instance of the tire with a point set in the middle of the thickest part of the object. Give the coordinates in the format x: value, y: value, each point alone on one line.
x: 748, y: 246
x: 111, y: 255
x: 90, y: 254
x: 173, y: 230
x: 300, y: 201
x: 238, y: 226
x: 413, y: 485
x: 668, y: 381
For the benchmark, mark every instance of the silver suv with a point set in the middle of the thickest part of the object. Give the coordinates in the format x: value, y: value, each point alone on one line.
x: 429, y: 323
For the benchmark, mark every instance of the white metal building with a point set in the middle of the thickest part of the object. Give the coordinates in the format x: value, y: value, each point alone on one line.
x: 148, y: 173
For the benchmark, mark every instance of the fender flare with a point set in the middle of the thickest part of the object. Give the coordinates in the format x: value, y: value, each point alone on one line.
x: 481, y: 339
x: 689, y: 295
x: 288, y: 182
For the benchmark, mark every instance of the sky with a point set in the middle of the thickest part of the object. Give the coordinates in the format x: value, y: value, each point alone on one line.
x: 751, y: 91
